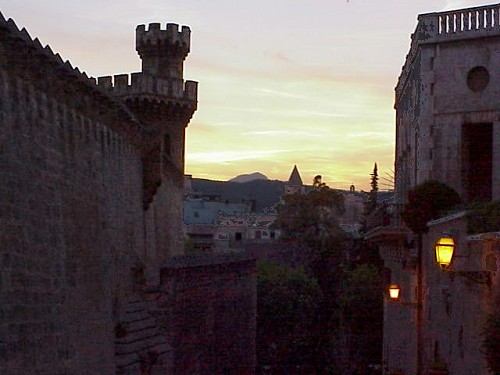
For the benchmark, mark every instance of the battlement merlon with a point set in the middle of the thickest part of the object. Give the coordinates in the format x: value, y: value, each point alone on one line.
x: 163, y: 51
x: 156, y: 36
x: 145, y: 85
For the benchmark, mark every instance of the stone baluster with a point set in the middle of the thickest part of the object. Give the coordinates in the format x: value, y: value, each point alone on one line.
x: 487, y: 18
x: 441, y: 24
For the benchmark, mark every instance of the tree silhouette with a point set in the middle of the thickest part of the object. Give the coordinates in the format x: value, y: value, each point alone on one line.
x: 371, y: 204
x: 428, y: 201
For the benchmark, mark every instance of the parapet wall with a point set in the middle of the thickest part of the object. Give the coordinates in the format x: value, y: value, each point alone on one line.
x: 208, y: 308
x: 144, y: 84
x: 462, y: 23
x: 155, y: 36
x: 450, y: 26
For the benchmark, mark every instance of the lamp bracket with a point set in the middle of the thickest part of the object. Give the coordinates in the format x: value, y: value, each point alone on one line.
x: 480, y: 277
x: 415, y: 305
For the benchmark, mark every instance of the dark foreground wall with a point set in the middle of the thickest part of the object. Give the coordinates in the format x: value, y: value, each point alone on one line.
x: 208, y: 304
x: 90, y: 211
x: 70, y: 214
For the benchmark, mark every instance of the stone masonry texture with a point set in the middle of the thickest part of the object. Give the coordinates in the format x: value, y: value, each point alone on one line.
x: 90, y: 217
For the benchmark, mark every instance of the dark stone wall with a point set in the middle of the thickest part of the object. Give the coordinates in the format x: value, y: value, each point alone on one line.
x: 208, y: 308
x: 70, y: 221
x: 78, y: 249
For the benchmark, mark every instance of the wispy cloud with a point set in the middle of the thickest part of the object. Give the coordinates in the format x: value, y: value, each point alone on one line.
x: 281, y: 93
x: 229, y: 156
x: 283, y: 133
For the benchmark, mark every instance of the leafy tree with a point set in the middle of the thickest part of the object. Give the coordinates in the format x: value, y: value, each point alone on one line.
x: 310, y: 218
x: 318, y: 183
x: 371, y: 204
x: 362, y: 312
x: 428, y: 201
x: 287, y: 302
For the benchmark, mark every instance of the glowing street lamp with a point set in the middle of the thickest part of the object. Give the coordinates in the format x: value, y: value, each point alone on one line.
x: 394, y: 290
x: 445, y: 246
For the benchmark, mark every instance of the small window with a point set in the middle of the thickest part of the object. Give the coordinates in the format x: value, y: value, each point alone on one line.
x: 478, y: 78
x: 258, y: 235
x: 238, y: 236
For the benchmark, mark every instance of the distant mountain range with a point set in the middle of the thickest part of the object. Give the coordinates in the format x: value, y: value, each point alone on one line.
x: 264, y: 192
x: 249, y: 177
x: 251, y: 187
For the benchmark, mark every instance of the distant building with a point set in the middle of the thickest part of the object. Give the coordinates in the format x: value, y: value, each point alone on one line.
x: 213, y: 225
x: 234, y: 232
x: 203, y: 211
x: 294, y: 185
x: 201, y: 220
x: 354, y: 206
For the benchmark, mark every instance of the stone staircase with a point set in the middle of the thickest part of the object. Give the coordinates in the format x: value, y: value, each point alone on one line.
x: 140, y: 348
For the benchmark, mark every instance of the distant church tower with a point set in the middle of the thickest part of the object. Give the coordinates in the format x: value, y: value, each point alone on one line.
x: 295, y: 184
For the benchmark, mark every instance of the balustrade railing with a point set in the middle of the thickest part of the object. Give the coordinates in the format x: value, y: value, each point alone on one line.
x: 462, y: 21
x: 448, y: 26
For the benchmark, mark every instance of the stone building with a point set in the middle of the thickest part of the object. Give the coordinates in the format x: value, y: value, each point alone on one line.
x: 92, y: 274
x: 294, y: 185
x: 447, y: 129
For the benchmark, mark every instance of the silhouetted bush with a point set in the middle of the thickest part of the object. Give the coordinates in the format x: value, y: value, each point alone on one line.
x: 427, y: 201
x: 483, y: 217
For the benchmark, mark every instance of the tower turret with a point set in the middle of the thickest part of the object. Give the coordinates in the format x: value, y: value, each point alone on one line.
x: 163, y: 51
x: 161, y: 101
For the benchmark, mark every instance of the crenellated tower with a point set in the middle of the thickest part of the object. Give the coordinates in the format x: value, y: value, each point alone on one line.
x: 161, y: 100
x: 163, y: 103
x: 163, y: 51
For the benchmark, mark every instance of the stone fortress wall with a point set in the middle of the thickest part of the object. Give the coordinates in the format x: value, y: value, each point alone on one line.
x: 90, y: 212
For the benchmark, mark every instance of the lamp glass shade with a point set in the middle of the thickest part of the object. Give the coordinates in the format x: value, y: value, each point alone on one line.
x: 444, y: 251
x: 394, y: 292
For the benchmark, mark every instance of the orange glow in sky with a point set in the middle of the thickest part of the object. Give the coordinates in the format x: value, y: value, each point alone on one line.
x: 281, y: 82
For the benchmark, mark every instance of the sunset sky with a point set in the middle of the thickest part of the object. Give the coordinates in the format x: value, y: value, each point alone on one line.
x: 281, y: 82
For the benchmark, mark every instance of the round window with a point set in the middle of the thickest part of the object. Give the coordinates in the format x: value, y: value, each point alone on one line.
x: 478, y: 78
